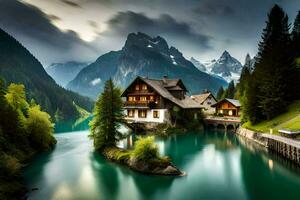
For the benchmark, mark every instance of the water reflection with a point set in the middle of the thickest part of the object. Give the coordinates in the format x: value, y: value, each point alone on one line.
x: 218, y: 166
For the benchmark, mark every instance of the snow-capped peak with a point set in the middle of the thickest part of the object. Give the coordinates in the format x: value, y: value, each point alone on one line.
x: 226, y: 66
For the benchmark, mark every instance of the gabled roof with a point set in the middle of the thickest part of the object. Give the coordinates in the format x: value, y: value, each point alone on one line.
x: 162, y: 88
x: 200, y: 98
x: 234, y: 102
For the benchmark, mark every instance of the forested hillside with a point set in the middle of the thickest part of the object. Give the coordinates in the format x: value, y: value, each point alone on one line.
x: 18, y: 65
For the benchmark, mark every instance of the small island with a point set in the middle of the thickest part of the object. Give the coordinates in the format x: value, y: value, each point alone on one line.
x: 108, y: 117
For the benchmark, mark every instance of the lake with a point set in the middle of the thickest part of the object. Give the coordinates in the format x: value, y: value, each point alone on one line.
x: 218, y: 166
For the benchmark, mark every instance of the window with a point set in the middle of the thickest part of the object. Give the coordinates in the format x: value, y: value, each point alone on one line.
x: 155, y: 114
x: 130, y: 113
x: 143, y: 98
x: 142, y: 113
x: 137, y: 87
x: 144, y: 87
x: 151, y: 98
x: 131, y: 98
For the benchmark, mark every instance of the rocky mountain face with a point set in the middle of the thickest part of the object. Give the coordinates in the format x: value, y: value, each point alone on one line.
x: 226, y: 67
x: 18, y: 65
x: 198, y: 64
x: 142, y: 55
x: 63, y: 73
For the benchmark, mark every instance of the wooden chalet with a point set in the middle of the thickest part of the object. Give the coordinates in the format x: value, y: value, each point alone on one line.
x: 228, y: 107
x: 150, y: 100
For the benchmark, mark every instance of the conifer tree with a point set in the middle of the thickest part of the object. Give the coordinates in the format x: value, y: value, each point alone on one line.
x: 220, y: 93
x: 108, y: 116
x: 268, y: 90
x: 243, y: 83
x: 230, y: 91
x: 296, y: 35
x: 294, y: 77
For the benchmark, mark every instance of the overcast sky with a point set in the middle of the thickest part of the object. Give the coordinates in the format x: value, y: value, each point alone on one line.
x: 82, y: 30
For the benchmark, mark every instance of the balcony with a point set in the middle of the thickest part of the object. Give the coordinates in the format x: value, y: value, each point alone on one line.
x: 139, y: 104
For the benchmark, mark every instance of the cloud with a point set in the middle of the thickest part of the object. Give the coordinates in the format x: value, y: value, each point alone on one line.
x: 165, y: 25
x: 34, y: 28
x: 214, y: 8
x: 71, y: 3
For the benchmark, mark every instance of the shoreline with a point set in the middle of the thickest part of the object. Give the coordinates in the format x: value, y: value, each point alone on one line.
x: 286, y: 147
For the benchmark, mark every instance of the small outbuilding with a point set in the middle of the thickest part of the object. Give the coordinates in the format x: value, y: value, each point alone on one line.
x: 206, y: 100
x: 228, y: 107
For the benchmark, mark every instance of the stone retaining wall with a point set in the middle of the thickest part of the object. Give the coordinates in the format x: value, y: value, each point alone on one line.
x: 252, y: 135
x: 282, y: 146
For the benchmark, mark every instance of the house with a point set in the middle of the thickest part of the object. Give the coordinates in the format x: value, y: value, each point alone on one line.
x: 206, y: 100
x: 228, y: 107
x: 150, y: 100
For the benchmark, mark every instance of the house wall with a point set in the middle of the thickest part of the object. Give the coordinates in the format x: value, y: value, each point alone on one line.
x: 162, y: 113
x: 228, y: 109
x: 207, y: 106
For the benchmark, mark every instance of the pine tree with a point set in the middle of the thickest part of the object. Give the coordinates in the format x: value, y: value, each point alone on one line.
x: 243, y: 83
x: 108, y: 115
x: 230, y: 91
x: 294, y: 77
x: 268, y: 90
x: 220, y: 93
x: 296, y: 35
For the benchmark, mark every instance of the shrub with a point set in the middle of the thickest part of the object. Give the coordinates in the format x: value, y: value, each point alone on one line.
x: 40, y: 128
x: 145, y: 149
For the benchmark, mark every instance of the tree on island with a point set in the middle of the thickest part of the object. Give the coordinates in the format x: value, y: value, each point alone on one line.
x: 108, y: 116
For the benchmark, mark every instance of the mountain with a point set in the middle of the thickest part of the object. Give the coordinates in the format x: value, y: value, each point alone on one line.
x: 145, y: 56
x: 18, y: 65
x: 198, y: 64
x: 63, y: 73
x: 226, y: 67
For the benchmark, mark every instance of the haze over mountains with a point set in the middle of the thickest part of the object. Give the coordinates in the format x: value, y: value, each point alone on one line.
x: 142, y: 55
x: 63, y: 73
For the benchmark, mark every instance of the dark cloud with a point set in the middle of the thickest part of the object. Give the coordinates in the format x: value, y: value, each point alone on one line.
x: 71, y: 3
x: 214, y: 8
x: 165, y: 25
x: 34, y: 28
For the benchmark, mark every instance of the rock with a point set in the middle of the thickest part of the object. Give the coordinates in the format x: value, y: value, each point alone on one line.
x: 170, y: 170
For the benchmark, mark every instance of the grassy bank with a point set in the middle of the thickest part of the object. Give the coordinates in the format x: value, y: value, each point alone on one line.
x: 143, y: 158
x: 289, y: 120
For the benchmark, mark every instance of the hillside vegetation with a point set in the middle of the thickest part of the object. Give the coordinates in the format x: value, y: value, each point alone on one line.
x: 18, y: 65
x: 289, y: 120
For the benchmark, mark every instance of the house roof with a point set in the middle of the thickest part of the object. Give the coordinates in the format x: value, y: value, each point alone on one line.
x: 234, y: 102
x: 162, y: 87
x: 200, y: 98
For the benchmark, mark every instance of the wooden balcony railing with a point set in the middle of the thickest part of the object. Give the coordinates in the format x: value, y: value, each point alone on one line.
x: 139, y: 103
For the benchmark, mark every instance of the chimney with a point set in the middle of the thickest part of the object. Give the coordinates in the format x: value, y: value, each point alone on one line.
x: 165, y: 77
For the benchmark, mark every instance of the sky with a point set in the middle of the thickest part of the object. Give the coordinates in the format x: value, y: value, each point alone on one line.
x: 82, y: 30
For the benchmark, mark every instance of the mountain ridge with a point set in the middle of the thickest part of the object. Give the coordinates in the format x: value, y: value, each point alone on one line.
x: 142, y: 55
x: 63, y: 73
x: 18, y: 65
x: 226, y: 67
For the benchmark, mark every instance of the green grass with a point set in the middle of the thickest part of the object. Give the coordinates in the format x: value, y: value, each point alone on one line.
x: 84, y: 114
x: 288, y: 120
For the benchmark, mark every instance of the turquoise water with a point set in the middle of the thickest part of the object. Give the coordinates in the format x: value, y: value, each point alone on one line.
x: 218, y: 166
